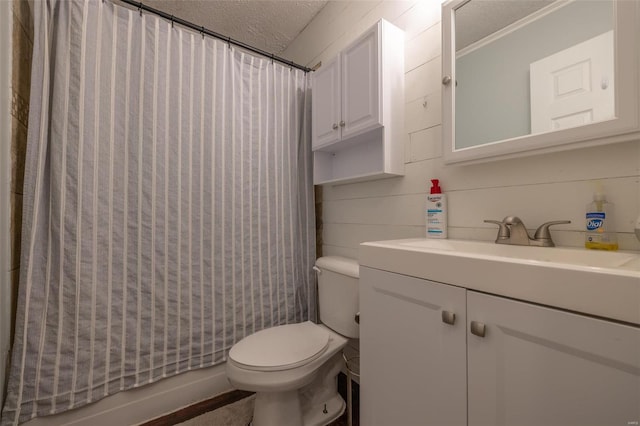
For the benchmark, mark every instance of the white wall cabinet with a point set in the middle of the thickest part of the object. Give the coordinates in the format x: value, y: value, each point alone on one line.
x: 358, y: 109
x: 533, y: 366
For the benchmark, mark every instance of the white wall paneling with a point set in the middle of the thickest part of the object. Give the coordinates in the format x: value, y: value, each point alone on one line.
x: 424, y: 47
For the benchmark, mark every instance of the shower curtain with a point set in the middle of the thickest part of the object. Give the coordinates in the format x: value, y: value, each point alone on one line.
x: 168, y: 205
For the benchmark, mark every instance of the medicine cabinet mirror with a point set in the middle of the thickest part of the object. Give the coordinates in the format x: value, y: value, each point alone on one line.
x: 523, y: 77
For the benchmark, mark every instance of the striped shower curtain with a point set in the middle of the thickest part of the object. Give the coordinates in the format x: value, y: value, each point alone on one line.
x: 168, y: 205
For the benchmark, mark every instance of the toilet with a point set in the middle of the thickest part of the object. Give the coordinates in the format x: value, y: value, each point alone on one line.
x: 293, y: 368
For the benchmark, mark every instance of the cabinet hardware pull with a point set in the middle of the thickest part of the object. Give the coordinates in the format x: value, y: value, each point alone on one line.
x: 446, y: 80
x: 478, y: 329
x: 448, y: 317
x: 357, y: 318
x: 335, y: 126
x: 342, y: 123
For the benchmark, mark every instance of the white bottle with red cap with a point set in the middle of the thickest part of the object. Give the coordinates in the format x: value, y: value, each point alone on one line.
x: 436, y: 211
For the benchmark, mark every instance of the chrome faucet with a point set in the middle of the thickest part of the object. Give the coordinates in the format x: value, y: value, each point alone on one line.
x: 513, y: 231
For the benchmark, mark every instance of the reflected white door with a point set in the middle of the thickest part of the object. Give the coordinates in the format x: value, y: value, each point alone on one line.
x: 574, y: 86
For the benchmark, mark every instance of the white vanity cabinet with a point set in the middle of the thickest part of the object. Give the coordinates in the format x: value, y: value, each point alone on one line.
x: 533, y: 366
x: 357, y: 109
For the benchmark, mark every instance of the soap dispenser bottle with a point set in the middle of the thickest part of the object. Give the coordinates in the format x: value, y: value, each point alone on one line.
x: 436, y: 211
x: 601, y: 233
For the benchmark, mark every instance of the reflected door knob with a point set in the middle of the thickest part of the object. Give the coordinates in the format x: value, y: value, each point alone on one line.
x: 335, y: 126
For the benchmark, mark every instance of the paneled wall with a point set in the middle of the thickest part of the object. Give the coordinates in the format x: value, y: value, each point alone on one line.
x: 537, y: 189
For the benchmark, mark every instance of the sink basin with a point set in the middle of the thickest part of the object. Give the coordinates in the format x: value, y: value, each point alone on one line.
x: 599, y: 283
x: 568, y: 256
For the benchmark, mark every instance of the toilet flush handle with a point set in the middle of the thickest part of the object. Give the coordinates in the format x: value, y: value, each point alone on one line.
x: 318, y: 270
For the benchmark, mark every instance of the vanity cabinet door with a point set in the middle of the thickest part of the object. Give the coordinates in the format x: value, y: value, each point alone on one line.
x: 412, y: 363
x: 540, y: 366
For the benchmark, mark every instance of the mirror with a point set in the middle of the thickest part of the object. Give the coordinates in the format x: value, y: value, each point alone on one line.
x: 532, y: 76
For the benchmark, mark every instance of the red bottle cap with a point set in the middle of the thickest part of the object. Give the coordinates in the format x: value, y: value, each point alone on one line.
x: 435, y: 188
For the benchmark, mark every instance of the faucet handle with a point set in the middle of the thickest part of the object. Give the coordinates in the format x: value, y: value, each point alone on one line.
x: 503, y: 232
x: 542, y: 233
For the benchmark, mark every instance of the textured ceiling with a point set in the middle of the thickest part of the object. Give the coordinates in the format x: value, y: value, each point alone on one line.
x: 267, y: 25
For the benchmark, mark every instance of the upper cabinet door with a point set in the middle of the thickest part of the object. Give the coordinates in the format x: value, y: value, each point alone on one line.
x: 361, y: 84
x: 326, y: 105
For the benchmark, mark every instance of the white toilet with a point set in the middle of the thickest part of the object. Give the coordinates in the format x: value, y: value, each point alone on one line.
x: 293, y: 368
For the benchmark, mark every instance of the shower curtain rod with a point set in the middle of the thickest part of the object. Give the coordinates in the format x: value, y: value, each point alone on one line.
x: 141, y: 6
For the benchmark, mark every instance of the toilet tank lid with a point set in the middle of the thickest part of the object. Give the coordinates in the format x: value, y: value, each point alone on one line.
x: 340, y: 265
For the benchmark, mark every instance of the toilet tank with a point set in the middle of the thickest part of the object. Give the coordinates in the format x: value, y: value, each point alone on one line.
x: 338, y: 294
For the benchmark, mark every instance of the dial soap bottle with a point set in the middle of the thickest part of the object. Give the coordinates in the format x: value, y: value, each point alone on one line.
x: 436, y: 211
x: 601, y: 233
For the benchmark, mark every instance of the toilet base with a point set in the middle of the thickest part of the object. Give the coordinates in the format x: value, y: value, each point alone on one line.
x: 277, y: 408
x: 317, y: 416
x: 316, y: 404
x: 280, y: 409
x: 283, y: 409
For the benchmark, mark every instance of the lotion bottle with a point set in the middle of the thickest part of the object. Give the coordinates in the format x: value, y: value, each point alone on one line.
x: 600, y: 230
x: 436, y: 211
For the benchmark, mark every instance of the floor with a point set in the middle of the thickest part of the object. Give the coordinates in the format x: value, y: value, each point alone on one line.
x: 239, y: 412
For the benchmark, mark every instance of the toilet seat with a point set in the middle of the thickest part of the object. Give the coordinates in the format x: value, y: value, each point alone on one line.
x: 280, y: 348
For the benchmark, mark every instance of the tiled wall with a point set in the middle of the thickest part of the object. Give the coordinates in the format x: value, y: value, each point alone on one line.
x: 20, y: 85
x: 537, y: 188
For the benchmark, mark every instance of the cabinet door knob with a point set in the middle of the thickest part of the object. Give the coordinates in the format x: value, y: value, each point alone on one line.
x: 335, y: 126
x: 448, y: 317
x: 342, y: 123
x: 446, y: 80
x: 478, y: 329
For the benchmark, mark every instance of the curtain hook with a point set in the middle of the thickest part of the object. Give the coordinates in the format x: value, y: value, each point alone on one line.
x: 171, y: 21
x: 272, y: 56
x: 202, y: 33
x: 229, y: 42
x: 140, y: 8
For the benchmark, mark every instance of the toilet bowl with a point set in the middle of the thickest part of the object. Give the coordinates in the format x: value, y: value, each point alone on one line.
x: 282, y: 378
x: 293, y: 368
